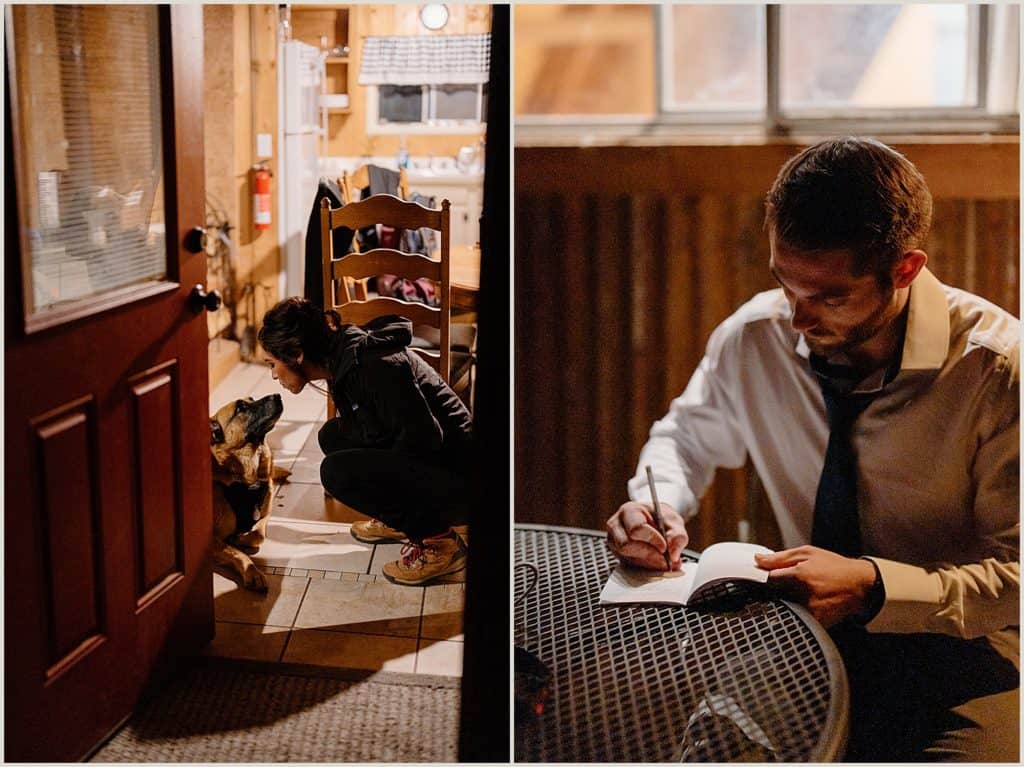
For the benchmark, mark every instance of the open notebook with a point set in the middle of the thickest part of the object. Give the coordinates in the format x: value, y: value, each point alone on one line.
x: 720, y: 563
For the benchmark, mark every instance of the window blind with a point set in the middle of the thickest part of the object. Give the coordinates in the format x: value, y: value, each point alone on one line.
x: 90, y: 136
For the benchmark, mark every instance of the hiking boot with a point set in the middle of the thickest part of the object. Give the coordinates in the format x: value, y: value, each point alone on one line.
x: 430, y: 559
x: 375, y: 531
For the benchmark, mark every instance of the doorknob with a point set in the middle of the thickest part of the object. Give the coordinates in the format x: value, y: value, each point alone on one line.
x: 199, y: 299
x: 195, y: 239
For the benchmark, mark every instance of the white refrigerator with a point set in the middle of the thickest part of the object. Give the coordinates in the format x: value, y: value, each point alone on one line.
x: 299, y: 131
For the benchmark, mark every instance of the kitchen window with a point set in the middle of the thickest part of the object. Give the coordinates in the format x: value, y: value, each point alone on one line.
x: 447, y: 105
x: 426, y: 84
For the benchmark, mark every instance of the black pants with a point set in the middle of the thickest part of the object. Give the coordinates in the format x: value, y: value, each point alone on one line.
x: 929, y: 697
x: 421, y: 497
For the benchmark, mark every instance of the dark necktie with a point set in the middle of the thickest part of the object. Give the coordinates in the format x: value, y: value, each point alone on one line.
x: 836, y: 525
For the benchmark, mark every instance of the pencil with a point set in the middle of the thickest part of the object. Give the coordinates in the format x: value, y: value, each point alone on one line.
x: 657, y: 515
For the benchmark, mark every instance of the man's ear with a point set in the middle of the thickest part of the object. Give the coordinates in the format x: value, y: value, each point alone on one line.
x: 298, y: 360
x: 908, y: 267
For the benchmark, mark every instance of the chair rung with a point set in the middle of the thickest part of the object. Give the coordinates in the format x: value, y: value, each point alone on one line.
x: 361, y: 312
x: 385, y: 207
x: 386, y: 261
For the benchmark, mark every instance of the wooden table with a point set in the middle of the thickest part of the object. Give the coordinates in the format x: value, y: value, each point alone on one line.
x: 465, y: 277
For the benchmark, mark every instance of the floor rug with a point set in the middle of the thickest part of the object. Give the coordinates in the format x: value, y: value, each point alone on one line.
x: 223, y: 712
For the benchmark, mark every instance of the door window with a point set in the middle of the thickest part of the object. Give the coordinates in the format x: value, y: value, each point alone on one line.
x: 86, y: 114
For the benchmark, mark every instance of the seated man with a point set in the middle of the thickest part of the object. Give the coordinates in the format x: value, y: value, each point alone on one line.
x: 880, y: 409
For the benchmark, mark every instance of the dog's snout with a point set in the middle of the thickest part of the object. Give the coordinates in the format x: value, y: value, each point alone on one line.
x: 272, y: 406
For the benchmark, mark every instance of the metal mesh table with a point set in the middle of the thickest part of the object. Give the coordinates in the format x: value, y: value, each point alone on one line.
x: 751, y: 680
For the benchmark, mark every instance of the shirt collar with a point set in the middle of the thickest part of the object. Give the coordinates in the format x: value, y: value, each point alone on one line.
x: 926, y: 342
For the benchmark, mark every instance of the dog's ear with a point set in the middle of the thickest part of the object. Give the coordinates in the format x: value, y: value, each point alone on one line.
x: 216, y: 432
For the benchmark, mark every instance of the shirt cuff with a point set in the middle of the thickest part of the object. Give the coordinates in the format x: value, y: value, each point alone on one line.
x: 875, y: 598
x: 912, y: 596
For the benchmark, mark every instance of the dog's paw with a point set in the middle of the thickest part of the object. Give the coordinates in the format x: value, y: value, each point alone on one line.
x: 254, y: 579
x: 250, y: 542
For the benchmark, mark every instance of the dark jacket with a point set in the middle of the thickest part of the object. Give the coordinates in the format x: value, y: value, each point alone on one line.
x: 313, y: 284
x: 389, y: 397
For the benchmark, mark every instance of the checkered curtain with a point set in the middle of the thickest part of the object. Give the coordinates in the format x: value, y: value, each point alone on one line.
x: 427, y: 59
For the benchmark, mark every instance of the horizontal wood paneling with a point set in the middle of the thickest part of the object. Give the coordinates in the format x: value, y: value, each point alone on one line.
x: 627, y: 258
x: 982, y: 169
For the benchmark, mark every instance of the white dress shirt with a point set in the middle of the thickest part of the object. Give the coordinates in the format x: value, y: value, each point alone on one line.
x: 938, y: 451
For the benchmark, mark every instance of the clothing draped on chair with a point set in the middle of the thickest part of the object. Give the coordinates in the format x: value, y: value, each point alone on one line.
x: 432, y: 319
x: 313, y: 286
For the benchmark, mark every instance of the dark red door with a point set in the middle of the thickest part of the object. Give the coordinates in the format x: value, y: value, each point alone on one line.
x: 107, y: 517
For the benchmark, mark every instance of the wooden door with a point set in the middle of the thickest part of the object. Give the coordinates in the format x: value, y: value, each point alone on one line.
x: 107, y: 499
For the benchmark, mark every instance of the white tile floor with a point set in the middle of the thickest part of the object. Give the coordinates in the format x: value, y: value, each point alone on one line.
x: 327, y: 603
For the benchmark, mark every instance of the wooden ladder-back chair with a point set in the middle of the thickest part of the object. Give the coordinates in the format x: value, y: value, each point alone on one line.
x: 387, y: 209
x: 351, y: 185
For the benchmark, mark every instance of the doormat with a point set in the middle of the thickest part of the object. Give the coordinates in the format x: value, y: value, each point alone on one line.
x: 229, y: 712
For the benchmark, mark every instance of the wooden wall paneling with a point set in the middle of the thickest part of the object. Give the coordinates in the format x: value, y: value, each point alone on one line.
x: 945, y: 243
x: 577, y: 273
x: 612, y: 297
x: 244, y: 141
x: 661, y: 390
x: 218, y: 131
x: 969, y: 255
x: 640, y: 364
x: 581, y: 58
x: 954, y: 169
x: 713, y: 304
x: 974, y: 245
x: 266, y: 257
x: 682, y: 337
x: 540, y: 420
x: 548, y: 350
x: 997, y: 252
x: 310, y: 24
x: 1012, y: 269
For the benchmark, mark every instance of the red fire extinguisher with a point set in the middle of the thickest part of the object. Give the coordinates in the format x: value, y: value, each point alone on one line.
x: 261, y: 197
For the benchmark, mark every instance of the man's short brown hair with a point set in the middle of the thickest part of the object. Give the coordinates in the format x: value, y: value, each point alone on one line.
x: 853, y: 194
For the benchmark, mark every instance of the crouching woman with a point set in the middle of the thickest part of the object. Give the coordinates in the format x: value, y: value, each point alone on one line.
x: 399, y: 447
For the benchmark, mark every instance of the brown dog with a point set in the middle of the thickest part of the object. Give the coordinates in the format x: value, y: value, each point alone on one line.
x: 243, y: 483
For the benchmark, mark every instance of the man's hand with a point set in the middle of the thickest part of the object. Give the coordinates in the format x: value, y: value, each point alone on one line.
x: 634, y: 538
x: 833, y: 587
